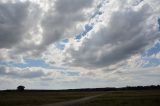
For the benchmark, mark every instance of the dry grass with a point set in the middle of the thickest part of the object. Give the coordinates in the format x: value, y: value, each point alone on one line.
x: 126, y: 98
x: 115, y: 98
x: 37, y: 98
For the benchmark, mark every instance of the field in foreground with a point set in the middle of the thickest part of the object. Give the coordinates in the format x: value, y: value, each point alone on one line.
x: 126, y: 98
x: 39, y: 98
x: 110, y: 98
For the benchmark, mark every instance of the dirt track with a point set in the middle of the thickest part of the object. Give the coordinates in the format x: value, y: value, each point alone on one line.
x: 72, y: 102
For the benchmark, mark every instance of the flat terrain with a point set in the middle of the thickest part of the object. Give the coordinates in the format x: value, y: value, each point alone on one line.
x: 74, y: 102
x: 110, y: 98
x: 125, y: 98
x: 40, y: 98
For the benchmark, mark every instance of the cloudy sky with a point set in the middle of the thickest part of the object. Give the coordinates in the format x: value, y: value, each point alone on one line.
x: 61, y: 44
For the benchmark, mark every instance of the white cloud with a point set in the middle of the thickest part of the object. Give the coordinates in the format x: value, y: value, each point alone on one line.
x: 28, y: 28
x: 124, y: 33
x: 64, y: 19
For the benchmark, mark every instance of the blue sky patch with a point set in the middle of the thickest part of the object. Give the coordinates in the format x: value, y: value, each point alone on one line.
x: 153, y: 50
x: 32, y: 63
x: 87, y: 28
x: 147, y: 56
x: 152, y: 62
x: 65, y: 41
x: 61, y: 45
x: 3, y: 63
x: 70, y: 73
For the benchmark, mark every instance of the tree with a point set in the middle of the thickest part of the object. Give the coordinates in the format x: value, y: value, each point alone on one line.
x: 20, y: 88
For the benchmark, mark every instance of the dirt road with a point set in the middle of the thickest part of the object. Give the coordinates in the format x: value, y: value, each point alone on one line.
x: 72, y: 102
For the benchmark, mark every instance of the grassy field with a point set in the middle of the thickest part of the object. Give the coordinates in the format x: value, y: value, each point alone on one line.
x: 126, y: 98
x: 38, y: 98
x: 115, y: 98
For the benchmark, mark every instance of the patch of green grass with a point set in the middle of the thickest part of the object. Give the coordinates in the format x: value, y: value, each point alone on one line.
x: 37, y: 98
x: 126, y: 98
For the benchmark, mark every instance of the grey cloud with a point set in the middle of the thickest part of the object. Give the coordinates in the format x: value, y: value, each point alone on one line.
x: 33, y: 74
x: 23, y: 73
x: 72, y: 6
x: 20, y: 23
x: 138, y: 73
x: 18, y: 26
x: 124, y: 36
x: 61, y: 19
x: 16, y: 21
x: 2, y: 70
x: 12, y: 19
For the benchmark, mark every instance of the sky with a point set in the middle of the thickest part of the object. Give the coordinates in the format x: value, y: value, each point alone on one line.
x: 68, y: 44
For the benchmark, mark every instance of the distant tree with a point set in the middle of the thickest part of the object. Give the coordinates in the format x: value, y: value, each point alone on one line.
x: 20, y: 88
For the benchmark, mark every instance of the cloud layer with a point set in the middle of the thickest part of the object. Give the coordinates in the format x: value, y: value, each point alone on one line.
x: 126, y: 32
x: 78, y: 41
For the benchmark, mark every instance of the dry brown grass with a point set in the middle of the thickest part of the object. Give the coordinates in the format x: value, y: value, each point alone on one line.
x: 37, y: 98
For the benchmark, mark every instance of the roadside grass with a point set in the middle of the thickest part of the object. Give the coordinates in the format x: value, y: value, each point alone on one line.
x: 38, y: 98
x: 126, y: 98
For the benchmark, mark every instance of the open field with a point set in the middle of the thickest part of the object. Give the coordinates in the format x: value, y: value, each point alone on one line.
x: 125, y: 98
x: 38, y: 98
x: 109, y: 98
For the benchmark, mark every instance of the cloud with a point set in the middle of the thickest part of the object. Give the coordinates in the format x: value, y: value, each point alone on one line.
x: 25, y: 73
x: 72, y: 6
x: 124, y: 33
x: 12, y: 23
x: 112, y: 37
x: 29, y: 28
x: 37, y: 73
x: 64, y: 18
x: 16, y: 22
